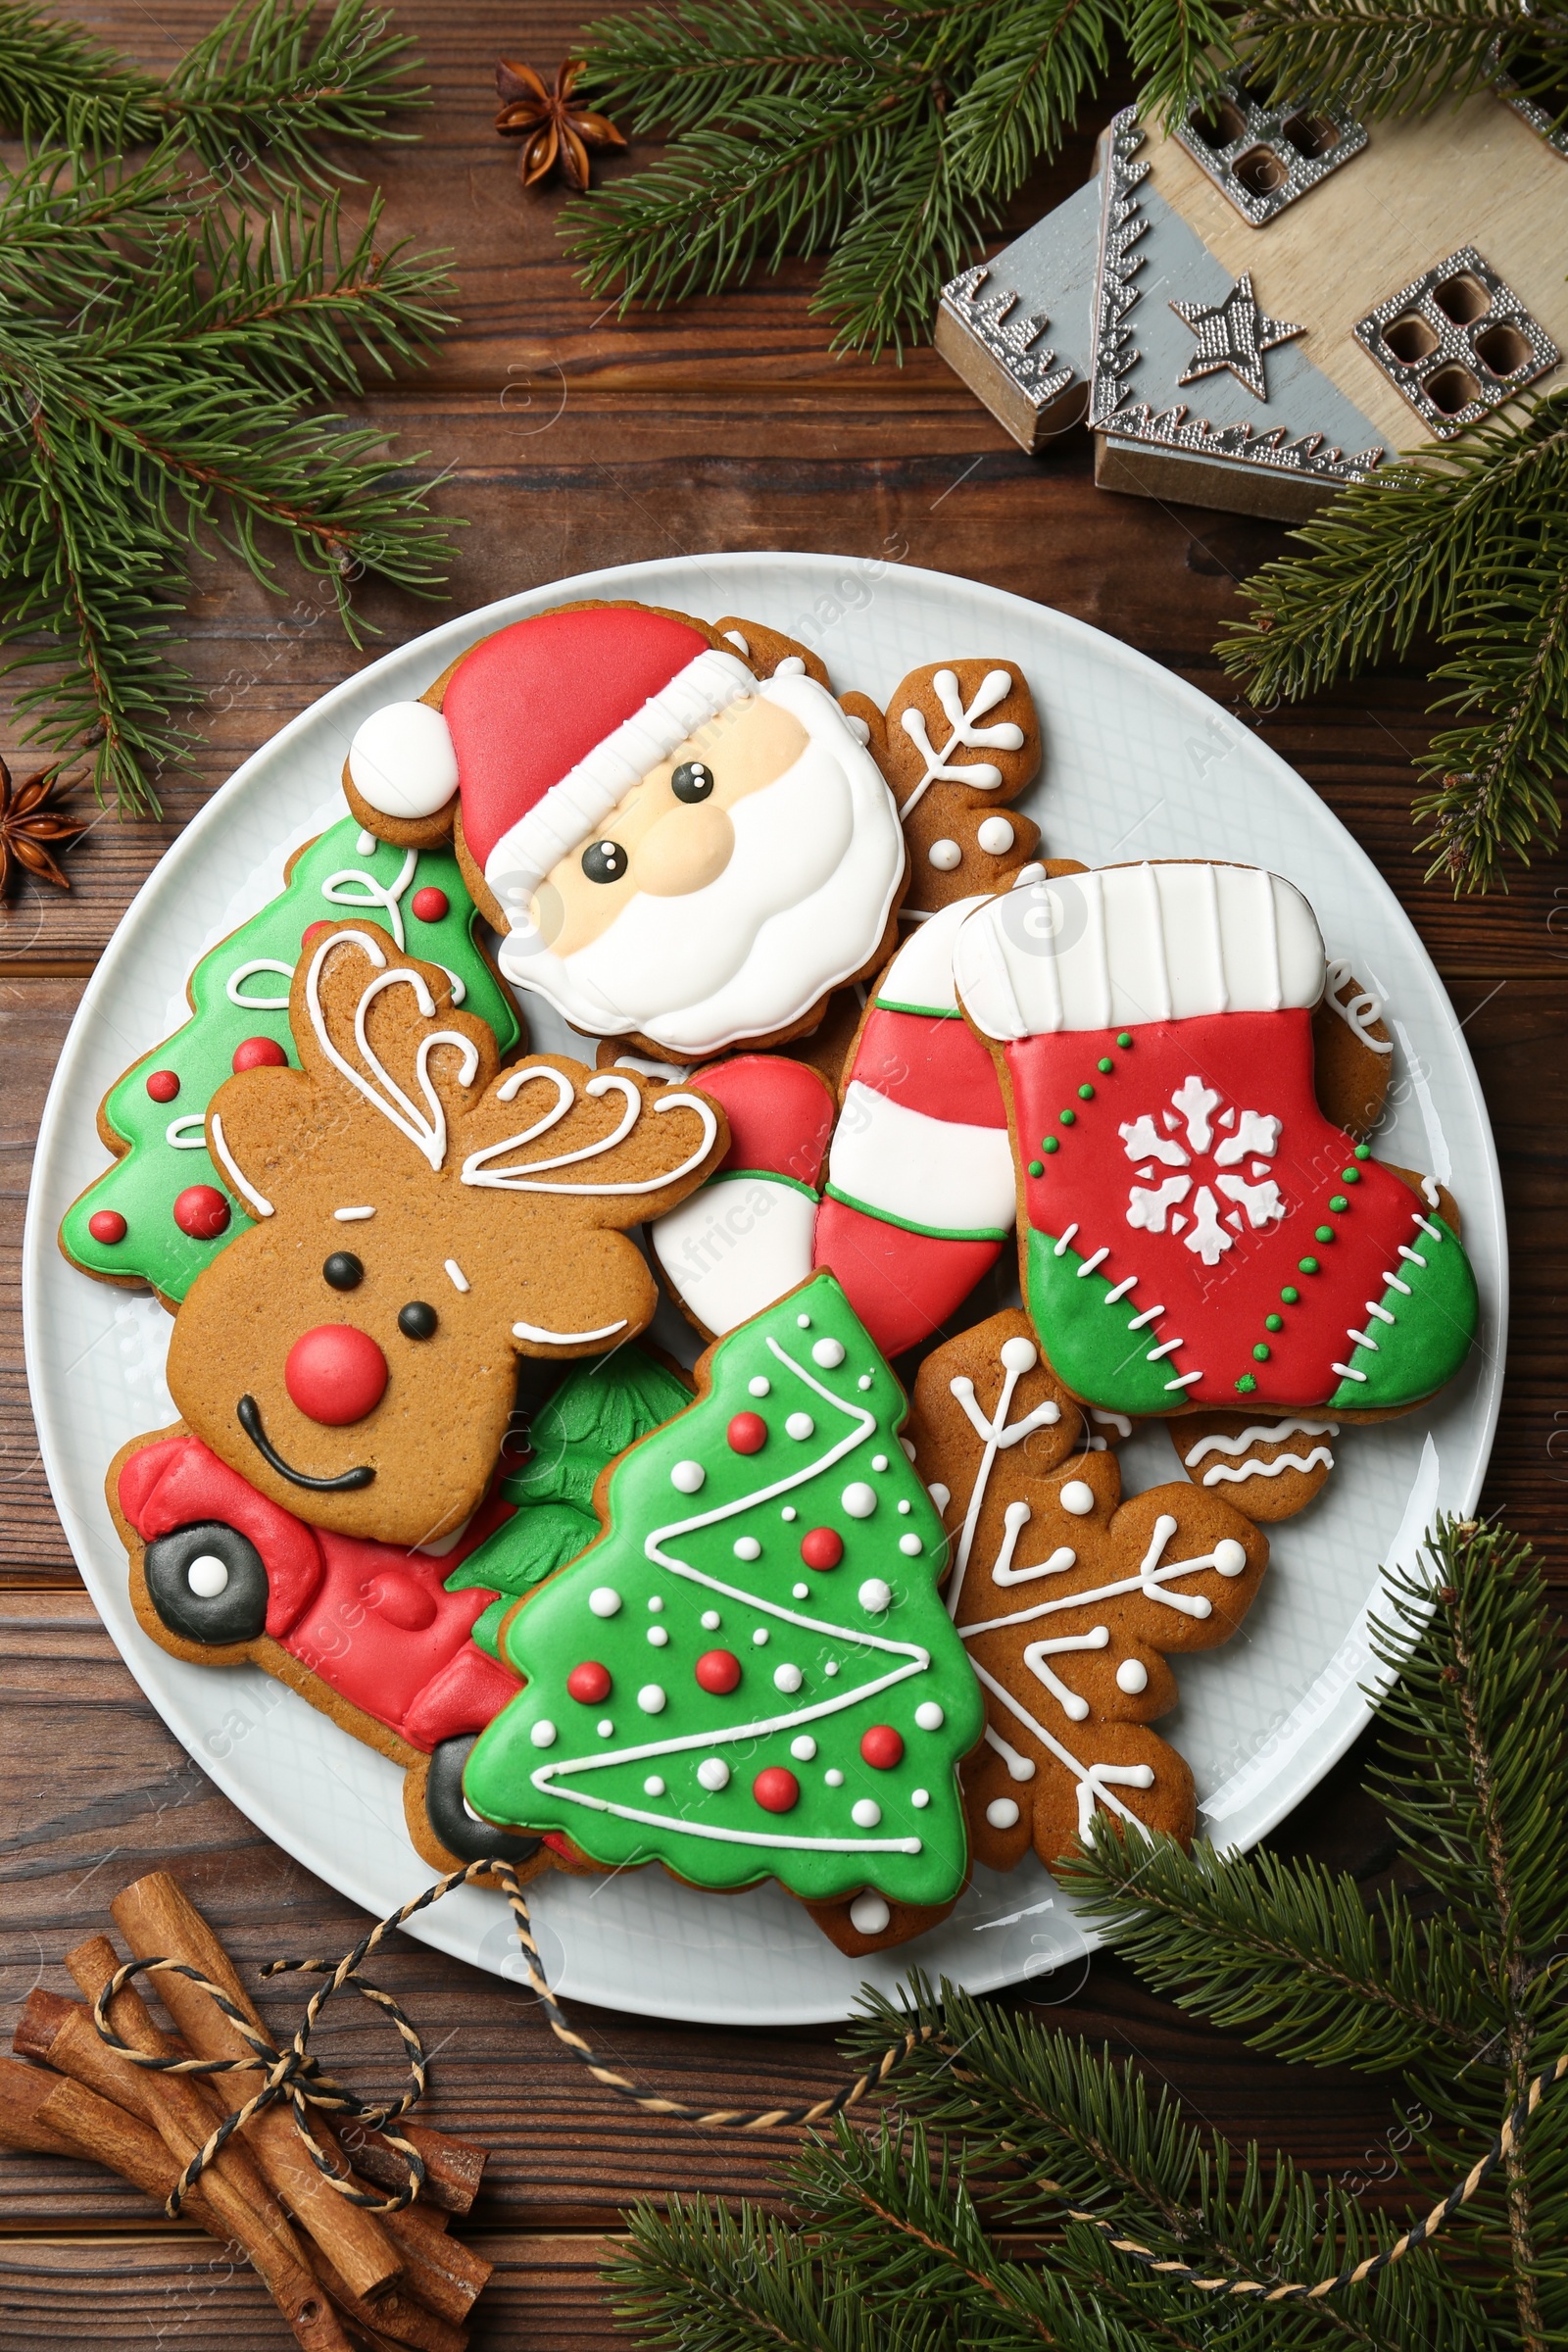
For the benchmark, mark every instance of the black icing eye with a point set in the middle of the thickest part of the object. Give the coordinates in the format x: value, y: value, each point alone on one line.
x: 343, y: 1270
x: 693, y: 780
x: 417, y: 1322
x: 605, y: 861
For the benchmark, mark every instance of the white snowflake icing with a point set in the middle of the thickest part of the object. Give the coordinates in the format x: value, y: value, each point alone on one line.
x: 1172, y: 1204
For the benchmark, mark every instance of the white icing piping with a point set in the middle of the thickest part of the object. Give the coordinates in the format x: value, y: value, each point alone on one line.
x: 1282, y: 1462
x: 563, y: 1339
x: 376, y: 894
x: 998, y: 1436
x: 247, y: 1191
x: 1019, y: 1768
x: 1360, y: 1012
x: 1091, y: 1778
x: 524, y: 1179
x: 351, y: 1216
x: 428, y: 1135
x: 1006, y: 736
x: 243, y: 971
x: 1151, y: 1580
x: 175, y: 1133
x: 456, y: 1276
x: 1260, y: 1433
x: 552, y: 1777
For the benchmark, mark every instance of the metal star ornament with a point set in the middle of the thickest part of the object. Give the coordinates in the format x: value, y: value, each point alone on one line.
x: 1235, y: 334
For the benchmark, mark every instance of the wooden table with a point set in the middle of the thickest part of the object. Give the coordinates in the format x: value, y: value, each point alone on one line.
x: 570, y: 440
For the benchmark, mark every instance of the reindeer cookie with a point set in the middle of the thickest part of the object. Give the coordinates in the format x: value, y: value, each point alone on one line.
x: 1068, y: 1601
x: 421, y: 1218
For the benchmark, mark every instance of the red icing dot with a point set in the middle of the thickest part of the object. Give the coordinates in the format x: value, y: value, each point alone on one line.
x: 431, y: 904
x: 589, y: 1682
x: 824, y: 1548
x: 747, y: 1433
x: 258, y: 1054
x: 335, y: 1373
x: 776, y: 1791
x: 881, y: 1747
x: 107, y: 1225
x: 201, y: 1211
x: 718, y: 1671
x: 163, y: 1085
x: 312, y: 931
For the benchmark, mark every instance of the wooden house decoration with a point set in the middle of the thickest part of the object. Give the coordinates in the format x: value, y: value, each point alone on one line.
x: 1270, y: 301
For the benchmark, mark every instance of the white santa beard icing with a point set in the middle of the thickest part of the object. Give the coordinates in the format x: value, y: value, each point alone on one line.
x: 801, y: 903
x: 736, y: 1246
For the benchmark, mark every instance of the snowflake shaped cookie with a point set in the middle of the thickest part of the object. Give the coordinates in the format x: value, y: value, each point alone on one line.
x: 1220, y: 1159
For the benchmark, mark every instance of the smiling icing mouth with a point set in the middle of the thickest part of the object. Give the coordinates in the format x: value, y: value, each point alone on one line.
x: 346, y: 1481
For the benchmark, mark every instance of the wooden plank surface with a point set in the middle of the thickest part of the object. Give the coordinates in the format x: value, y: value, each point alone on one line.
x: 573, y: 440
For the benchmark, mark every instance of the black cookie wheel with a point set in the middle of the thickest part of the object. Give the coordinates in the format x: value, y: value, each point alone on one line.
x: 454, y: 1826
x: 207, y: 1584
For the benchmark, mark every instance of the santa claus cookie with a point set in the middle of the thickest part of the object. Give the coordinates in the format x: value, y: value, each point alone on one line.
x: 958, y: 742
x: 751, y: 1674
x: 1193, y: 1232
x: 419, y: 1218
x: 676, y: 853
x: 1068, y: 1601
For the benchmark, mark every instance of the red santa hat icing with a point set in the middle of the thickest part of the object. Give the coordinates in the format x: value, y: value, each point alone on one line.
x: 544, y: 727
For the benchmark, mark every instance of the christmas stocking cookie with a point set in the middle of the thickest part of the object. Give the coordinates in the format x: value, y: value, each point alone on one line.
x: 751, y: 1674
x: 1069, y: 1601
x: 674, y: 852
x: 1193, y: 1232
x: 419, y: 1218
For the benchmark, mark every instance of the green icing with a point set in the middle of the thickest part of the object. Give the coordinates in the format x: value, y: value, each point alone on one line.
x: 376, y: 886
x: 859, y: 1665
x: 1431, y: 1333
x: 1092, y: 1347
x: 596, y: 1413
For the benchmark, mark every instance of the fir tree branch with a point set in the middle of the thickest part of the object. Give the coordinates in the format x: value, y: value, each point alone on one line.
x: 1031, y: 74
x: 1182, y: 49
x: 1379, y: 57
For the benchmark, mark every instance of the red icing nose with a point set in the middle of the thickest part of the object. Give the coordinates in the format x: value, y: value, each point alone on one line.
x: 335, y: 1374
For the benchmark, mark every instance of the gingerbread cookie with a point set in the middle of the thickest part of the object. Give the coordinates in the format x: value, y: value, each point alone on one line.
x: 421, y: 1218
x: 959, y: 741
x: 1068, y: 1601
x: 1151, y: 1027
x: 1267, y: 1469
x: 1352, y: 1053
x: 674, y: 852
x: 159, y: 1215
x: 751, y: 1674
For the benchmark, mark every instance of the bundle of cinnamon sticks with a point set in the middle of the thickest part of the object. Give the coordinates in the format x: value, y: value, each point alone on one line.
x: 339, y: 2275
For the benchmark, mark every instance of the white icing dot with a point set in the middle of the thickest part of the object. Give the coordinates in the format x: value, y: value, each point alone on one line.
x: 829, y: 1353
x: 655, y: 1606
x: 832, y: 1667
x: 995, y: 836
x: 875, y: 1594
x: 909, y: 1450
x: 606, y: 1730
x: 713, y: 1773
x: 653, y: 1786
x: 787, y: 1678
x: 688, y: 1478
x: 833, y: 1779
x: 1077, y: 1497
x: 207, y: 1576
x: 659, y: 1636
x: 940, y: 1494
x: 1229, y: 1558
x: 869, y: 1914
x: 651, y: 1699
x: 605, y: 1601
x: 759, y: 1387
x: 802, y: 1322
x: 1019, y: 1355
x: 801, y: 1591
x: 747, y: 1548
x: 905, y: 1507
x: 799, y: 1425
x: 929, y: 1716
x: 945, y: 855
x: 910, y: 1545
x: 864, y: 1381
x: 1132, y: 1676
x: 879, y: 1461
x: 859, y: 1499
x: 920, y: 1799
x: 789, y: 1511
x: 804, y: 1748
x: 866, y: 1812
x: 543, y: 1733
x: 759, y: 1637
x: 1003, y: 1813
x: 711, y: 1621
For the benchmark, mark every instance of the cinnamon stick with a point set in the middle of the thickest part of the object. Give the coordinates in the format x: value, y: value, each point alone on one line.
x: 22, y: 2091
x: 158, y: 1920
x: 452, y: 2168
x: 399, y: 2318
x: 443, y: 2272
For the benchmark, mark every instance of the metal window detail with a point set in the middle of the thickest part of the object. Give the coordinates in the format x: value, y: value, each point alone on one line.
x: 1457, y: 342
x: 1265, y: 158
x: 1008, y: 333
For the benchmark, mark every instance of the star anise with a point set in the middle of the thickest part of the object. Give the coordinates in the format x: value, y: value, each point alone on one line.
x: 554, y: 130
x: 27, y: 823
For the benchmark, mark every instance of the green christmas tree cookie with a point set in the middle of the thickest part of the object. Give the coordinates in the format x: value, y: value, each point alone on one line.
x: 600, y: 1408
x: 751, y: 1674
x: 159, y: 1215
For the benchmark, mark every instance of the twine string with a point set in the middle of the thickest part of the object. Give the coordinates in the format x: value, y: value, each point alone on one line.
x: 295, y: 2074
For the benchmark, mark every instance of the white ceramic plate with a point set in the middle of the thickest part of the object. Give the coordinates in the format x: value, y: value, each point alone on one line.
x: 1136, y: 764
